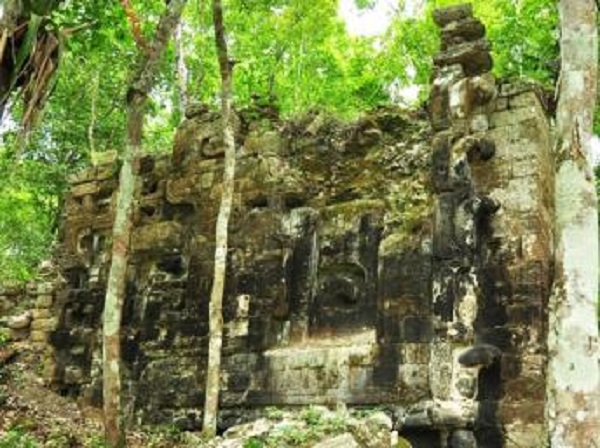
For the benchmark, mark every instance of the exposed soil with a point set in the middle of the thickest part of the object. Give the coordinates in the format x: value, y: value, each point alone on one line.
x: 33, y: 416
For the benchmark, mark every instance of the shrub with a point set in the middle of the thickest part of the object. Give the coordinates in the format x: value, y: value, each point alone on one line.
x: 18, y: 438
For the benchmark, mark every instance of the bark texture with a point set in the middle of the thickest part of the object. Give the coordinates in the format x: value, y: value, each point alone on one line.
x: 10, y: 15
x: 115, y: 292
x: 182, y: 70
x: 33, y: 74
x: 211, y: 405
x: 573, y: 392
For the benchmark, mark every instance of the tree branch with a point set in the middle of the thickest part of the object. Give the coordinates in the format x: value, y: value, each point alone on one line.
x: 136, y: 27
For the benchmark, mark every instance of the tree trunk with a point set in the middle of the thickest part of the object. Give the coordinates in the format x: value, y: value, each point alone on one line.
x: 92, y: 124
x: 33, y: 75
x: 10, y: 13
x: 573, y: 392
x: 115, y: 291
x: 182, y: 71
x: 211, y: 405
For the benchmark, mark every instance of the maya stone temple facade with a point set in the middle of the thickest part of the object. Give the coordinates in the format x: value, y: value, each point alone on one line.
x: 400, y: 261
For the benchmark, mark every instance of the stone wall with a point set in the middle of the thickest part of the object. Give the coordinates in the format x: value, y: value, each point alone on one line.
x: 25, y: 311
x: 492, y: 242
x: 10, y: 297
x: 328, y: 282
x: 391, y: 261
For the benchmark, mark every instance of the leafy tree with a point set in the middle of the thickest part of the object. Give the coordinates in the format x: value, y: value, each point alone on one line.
x: 213, y: 370
x: 147, y: 65
x: 573, y: 389
x: 292, y: 53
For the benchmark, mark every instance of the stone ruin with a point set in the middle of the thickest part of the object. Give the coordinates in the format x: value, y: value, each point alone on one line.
x: 396, y: 262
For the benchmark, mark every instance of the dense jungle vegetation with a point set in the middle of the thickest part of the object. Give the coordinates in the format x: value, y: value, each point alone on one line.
x: 295, y: 54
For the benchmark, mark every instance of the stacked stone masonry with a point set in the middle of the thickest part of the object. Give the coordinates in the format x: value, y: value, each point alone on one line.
x: 492, y: 243
x: 366, y: 265
x: 26, y: 312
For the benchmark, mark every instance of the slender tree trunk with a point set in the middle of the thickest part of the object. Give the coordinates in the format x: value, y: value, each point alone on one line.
x: 573, y: 370
x: 92, y: 124
x: 115, y: 292
x: 182, y: 70
x: 211, y: 405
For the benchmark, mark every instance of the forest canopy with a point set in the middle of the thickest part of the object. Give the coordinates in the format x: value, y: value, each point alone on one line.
x: 296, y: 55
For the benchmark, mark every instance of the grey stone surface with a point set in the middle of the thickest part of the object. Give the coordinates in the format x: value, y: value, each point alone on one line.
x: 342, y: 441
x: 20, y: 321
x: 463, y: 439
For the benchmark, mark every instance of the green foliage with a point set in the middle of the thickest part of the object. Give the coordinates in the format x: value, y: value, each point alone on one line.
x: 163, y: 435
x: 409, y: 45
x: 95, y: 441
x: 28, y: 212
x: 274, y: 413
x: 362, y: 413
x: 254, y: 442
x: 294, y: 53
x: 4, y: 338
x: 41, y: 7
x: 365, y: 4
x: 524, y: 35
x: 312, y: 415
x: 18, y: 438
x: 314, y: 424
x: 403, y: 443
x: 60, y: 438
x: 86, y: 115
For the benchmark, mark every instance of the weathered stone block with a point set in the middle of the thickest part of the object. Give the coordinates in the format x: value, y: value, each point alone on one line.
x: 518, y: 435
x: 84, y: 189
x: 480, y: 355
x: 44, y: 301
x: 459, y: 31
x: 342, y: 441
x: 445, y: 16
x: 73, y: 375
x: 183, y: 190
x: 417, y: 329
x: 160, y: 236
x: 415, y: 353
x: 474, y: 57
x: 82, y: 176
x: 439, y: 102
x: 444, y: 243
x: 5, y: 305
x: 38, y: 336
x: 374, y: 432
x: 43, y: 324
x: 479, y: 123
x: 18, y: 334
x: 463, y: 439
x: 41, y: 313
x: 413, y: 381
x: 483, y: 89
x: 440, y: 162
x: 512, y: 117
x: 526, y: 412
x: 501, y: 104
x: 460, y: 99
x: 46, y: 288
x: 20, y: 322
